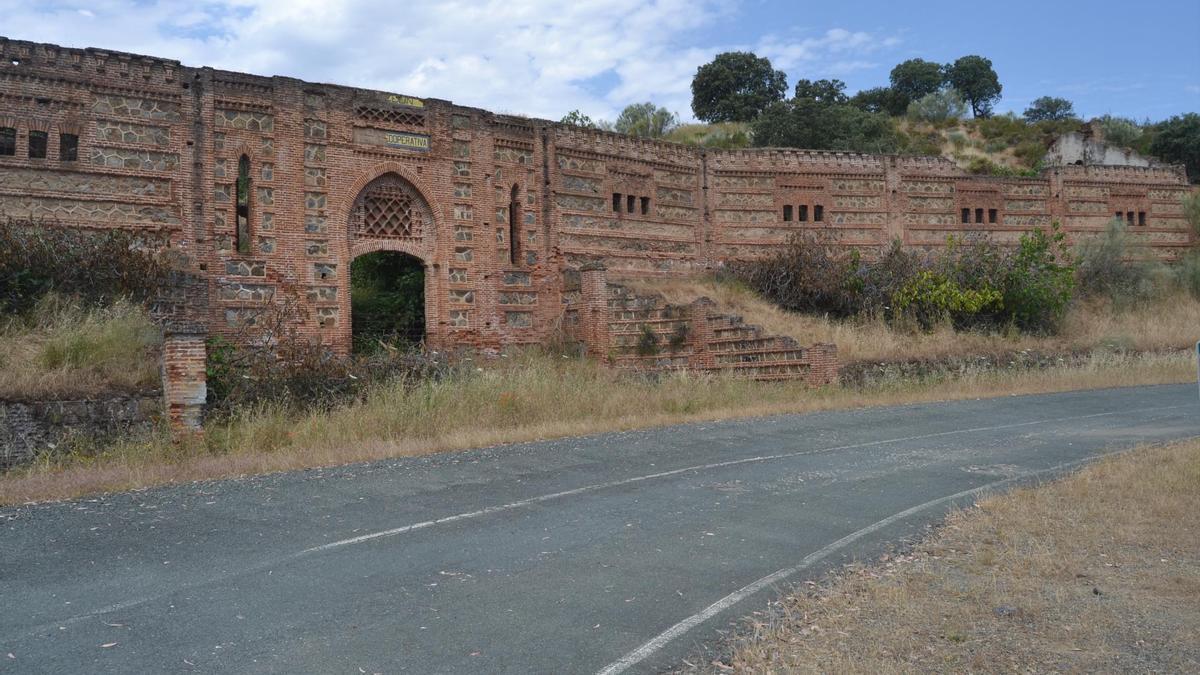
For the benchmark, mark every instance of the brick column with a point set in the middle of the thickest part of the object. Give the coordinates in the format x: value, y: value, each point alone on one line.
x: 594, y: 312
x: 701, y: 335
x: 183, y: 375
x: 823, y: 364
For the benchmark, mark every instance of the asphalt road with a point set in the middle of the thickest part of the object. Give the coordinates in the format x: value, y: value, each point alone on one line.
x: 613, y: 551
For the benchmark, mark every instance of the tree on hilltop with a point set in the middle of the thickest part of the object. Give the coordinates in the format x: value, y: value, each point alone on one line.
x: 915, y: 79
x: 974, y: 78
x: 736, y: 87
x: 646, y: 120
x: 1049, y: 108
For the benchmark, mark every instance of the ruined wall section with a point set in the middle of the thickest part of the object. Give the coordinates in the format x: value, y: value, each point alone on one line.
x: 130, y: 117
x: 759, y: 199
x: 634, y: 205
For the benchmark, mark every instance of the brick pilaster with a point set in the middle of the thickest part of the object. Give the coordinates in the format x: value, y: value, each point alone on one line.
x: 184, y: 384
x: 594, y: 313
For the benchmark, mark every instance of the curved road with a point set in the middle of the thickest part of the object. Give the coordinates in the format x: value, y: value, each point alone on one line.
x: 616, y: 552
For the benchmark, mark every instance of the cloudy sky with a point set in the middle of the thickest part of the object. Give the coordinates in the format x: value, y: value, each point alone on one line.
x: 547, y: 57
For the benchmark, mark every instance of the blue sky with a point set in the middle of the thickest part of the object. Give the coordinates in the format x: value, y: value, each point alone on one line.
x: 547, y: 57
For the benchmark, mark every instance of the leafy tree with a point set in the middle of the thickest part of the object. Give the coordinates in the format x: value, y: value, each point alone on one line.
x: 1049, y: 108
x: 916, y: 78
x: 1178, y: 140
x: 736, y: 87
x: 975, y: 79
x: 831, y: 92
x: 1119, y: 130
x: 880, y: 100
x: 938, y: 106
x: 808, y: 123
x: 578, y: 119
x: 646, y: 120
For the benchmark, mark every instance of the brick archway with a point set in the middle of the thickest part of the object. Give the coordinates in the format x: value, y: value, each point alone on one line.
x: 390, y: 212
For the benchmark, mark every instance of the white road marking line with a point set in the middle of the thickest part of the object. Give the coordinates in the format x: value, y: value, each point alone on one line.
x: 699, y: 467
x: 648, y: 649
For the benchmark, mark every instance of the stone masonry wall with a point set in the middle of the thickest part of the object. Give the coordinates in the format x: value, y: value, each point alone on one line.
x: 502, y: 211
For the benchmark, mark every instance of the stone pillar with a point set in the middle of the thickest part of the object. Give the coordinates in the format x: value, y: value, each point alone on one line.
x: 183, y: 375
x: 594, y: 312
x: 701, y: 335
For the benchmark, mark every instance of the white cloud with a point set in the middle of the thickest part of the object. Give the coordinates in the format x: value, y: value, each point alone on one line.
x: 536, y: 57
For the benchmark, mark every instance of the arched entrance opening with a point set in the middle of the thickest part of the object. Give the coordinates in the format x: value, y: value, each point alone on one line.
x: 387, y: 301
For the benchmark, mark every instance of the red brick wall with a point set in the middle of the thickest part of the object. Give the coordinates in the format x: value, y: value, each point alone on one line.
x: 159, y: 150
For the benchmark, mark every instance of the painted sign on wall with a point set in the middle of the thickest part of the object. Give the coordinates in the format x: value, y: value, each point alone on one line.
x: 393, y: 139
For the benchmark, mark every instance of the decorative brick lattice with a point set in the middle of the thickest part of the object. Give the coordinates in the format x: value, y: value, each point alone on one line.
x: 386, y: 116
x: 390, y: 207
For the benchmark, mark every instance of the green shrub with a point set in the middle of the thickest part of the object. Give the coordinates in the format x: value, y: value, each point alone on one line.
x: 96, y: 266
x: 1039, y: 282
x: 1187, y: 273
x: 808, y: 275
x: 931, y: 298
x: 1107, y: 266
x: 939, y: 106
x: 647, y: 344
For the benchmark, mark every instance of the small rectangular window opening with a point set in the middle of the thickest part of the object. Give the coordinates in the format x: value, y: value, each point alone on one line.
x: 991, y: 215
x: 1118, y: 215
x: 68, y: 147
x: 645, y: 206
x: 1129, y: 217
x: 616, y: 202
x: 803, y: 213
x: 1141, y: 217
x: 787, y: 214
x: 630, y: 203
x: 8, y: 141
x: 818, y: 213
x: 966, y: 216
x: 38, y: 140
x: 979, y: 215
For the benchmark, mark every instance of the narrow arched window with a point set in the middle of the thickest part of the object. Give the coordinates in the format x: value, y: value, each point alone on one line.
x: 514, y: 217
x: 243, y: 205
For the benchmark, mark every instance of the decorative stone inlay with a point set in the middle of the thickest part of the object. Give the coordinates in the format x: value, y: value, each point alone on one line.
x: 1026, y: 220
x: 460, y: 149
x: 36, y: 180
x: 234, y: 291
x: 327, y: 317
x: 928, y: 187
x: 321, y: 293
x: 744, y: 182
x: 244, y: 119
x: 316, y: 247
x: 128, y: 132
x: 580, y: 184
x: 463, y: 233
x: 1087, y: 207
x: 1024, y: 205
x: 315, y: 224
x: 931, y: 203
x: 517, y: 279
x: 327, y: 271
x: 678, y: 196
x: 266, y: 245
x: 856, y: 202
x: 675, y: 179
x: 42, y: 208
x: 462, y: 296
x: 459, y: 318
x: 580, y: 164
x: 463, y: 254
x: 268, y: 172
x: 314, y: 200
x: 463, y: 212
x: 460, y: 122
x: 746, y: 199
x: 856, y: 185
x: 518, y: 298
x: 462, y: 190
x: 266, y: 196
x: 314, y: 154
x: 577, y: 203
x: 514, y: 155
x: 246, y: 268
x: 463, y: 169
x: 267, y: 222
x: 457, y: 275
x: 219, y: 168
x: 222, y: 192
x: 518, y: 319
x: 143, y: 108
x: 143, y: 160
x: 668, y: 212
x: 314, y: 177
x: 315, y: 129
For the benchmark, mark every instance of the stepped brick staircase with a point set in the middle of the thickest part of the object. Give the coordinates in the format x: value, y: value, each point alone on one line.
x: 647, y: 334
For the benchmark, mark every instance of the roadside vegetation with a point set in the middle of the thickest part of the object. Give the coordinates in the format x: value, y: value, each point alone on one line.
x: 1097, y: 572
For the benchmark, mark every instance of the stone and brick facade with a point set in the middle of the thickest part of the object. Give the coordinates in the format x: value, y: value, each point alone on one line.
x: 502, y: 211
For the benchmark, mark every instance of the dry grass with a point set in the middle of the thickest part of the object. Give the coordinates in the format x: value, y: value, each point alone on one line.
x: 64, y: 351
x: 532, y: 397
x: 1171, y: 322
x: 1098, y: 572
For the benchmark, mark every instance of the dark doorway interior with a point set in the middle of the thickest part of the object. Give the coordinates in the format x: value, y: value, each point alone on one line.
x: 387, y: 301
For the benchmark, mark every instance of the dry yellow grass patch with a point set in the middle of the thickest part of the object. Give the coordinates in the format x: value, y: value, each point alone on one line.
x: 64, y: 351
x: 533, y: 397
x: 1168, y: 323
x: 1098, y: 572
